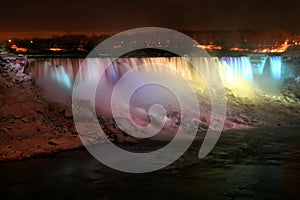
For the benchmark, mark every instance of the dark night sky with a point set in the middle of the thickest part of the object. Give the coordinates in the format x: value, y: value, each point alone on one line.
x: 22, y: 17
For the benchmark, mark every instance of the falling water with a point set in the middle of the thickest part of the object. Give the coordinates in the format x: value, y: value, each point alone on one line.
x: 56, y: 76
x: 239, y: 67
x: 63, y: 71
x: 275, y: 67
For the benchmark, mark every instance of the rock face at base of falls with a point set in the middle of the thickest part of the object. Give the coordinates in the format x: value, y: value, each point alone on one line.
x: 29, y: 126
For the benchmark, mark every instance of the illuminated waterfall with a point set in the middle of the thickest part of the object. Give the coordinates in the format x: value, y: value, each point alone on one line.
x: 59, y: 74
x: 275, y: 67
x: 236, y: 72
x: 239, y: 67
x: 54, y: 70
x: 64, y: 70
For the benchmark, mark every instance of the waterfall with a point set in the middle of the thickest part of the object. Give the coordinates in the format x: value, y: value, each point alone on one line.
x: 57, y: 75
x: 238, y: 67
x: 275, y: 67
x: 64, y: 70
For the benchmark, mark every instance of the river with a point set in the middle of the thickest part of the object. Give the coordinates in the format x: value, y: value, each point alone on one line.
x: 250, y: 164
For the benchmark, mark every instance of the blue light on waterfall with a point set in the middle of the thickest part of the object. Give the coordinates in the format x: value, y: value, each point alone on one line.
x: 113, y: 74
x: 275, y: 67
x: 62, y: 77
x: 239, y: 67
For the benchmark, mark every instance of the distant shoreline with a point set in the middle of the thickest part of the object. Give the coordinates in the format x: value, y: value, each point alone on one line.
x: 140, y: 54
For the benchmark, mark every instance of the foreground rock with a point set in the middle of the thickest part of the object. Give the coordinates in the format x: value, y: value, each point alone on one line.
x: 29, y: 126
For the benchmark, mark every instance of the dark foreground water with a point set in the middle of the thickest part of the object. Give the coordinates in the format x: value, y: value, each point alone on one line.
x: 252, y: 164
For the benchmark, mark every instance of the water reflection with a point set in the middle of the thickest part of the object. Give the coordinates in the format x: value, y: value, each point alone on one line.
x: 255, y: 164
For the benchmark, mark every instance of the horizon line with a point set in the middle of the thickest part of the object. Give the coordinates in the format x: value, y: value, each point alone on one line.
x: 49, y: 34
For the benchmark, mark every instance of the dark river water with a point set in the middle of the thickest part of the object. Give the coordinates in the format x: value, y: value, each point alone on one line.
x: 252, y: 164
